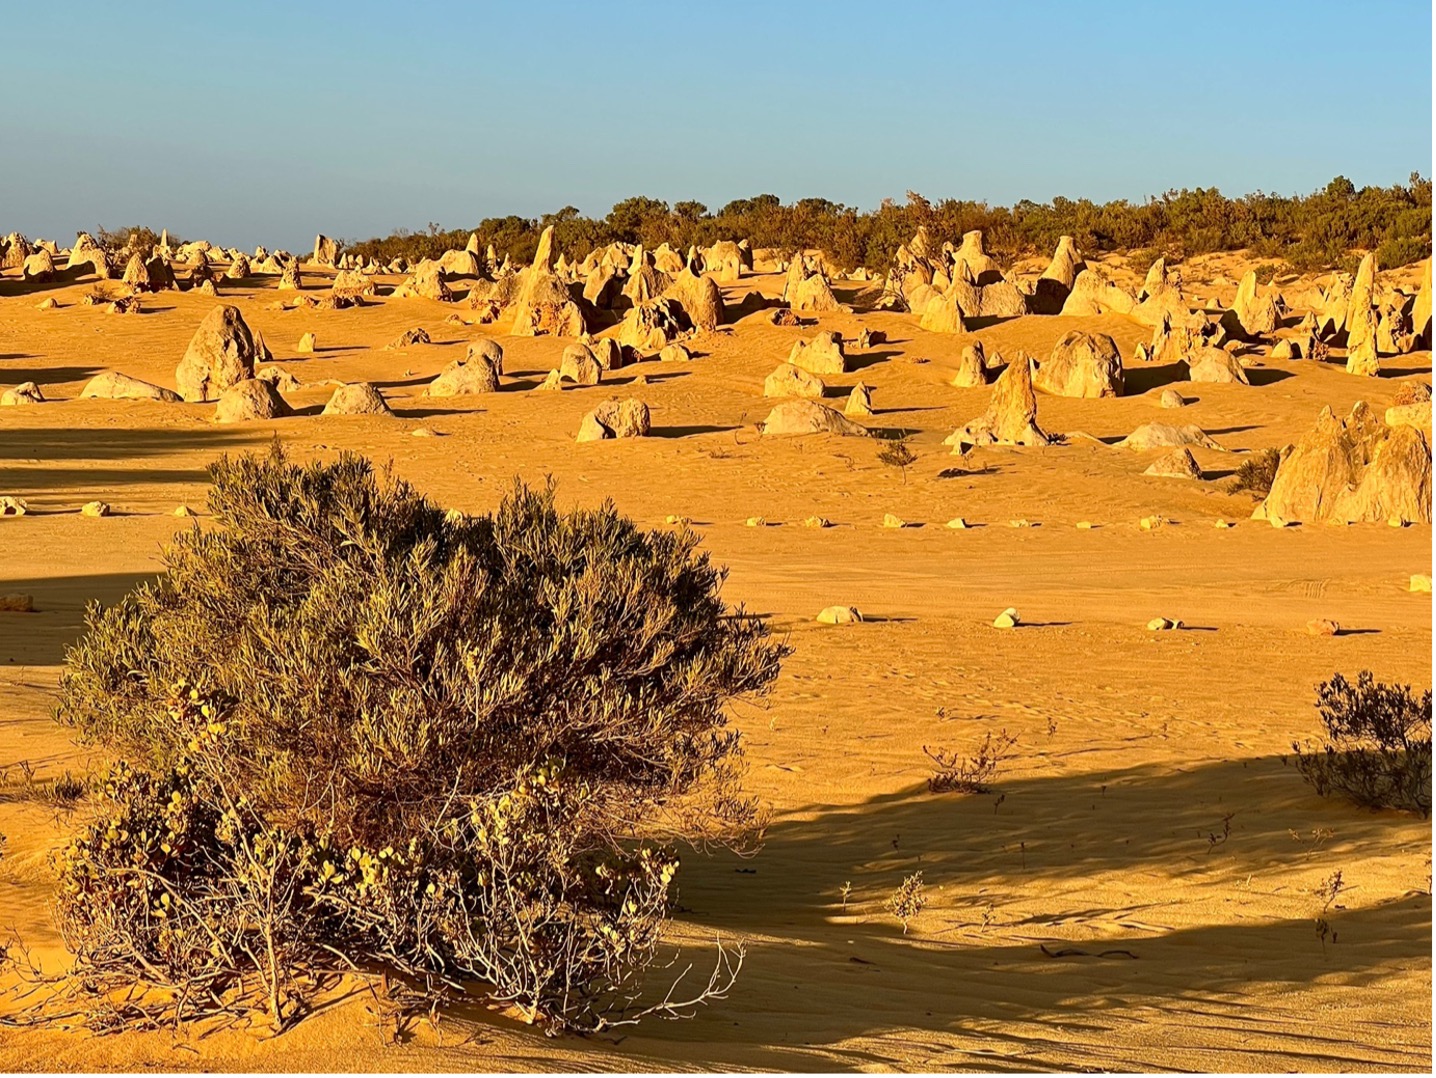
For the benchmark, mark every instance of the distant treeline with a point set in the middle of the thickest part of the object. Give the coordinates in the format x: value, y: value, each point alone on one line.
x: 1306, y: 231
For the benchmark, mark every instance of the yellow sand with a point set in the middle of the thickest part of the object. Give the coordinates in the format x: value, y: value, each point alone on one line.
x: 1133, y: 747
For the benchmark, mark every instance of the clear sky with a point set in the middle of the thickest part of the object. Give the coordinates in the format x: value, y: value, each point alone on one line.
x: 260, y: 122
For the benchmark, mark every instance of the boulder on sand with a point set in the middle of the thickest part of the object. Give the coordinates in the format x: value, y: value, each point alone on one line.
x: 1251, y: 315
x: 580, y: 365
x: 809, y: 417
x: 971, y: 367
x: 1011, y: 416
x: 615, y: 419
x: 1082, y: 365
x: 1215, y: 365
x: 1165, y: 435
x: 220, y: 353
x: 1055, y: 284
x: 1176, y: 464
x: 1351, y: 470
x: 791, y: 381
x: 822, y: 355
x: 470, y: 375
x: 357, y: 398
x: 250, y: 399
x: 113, y: 386
x: 24, y: 393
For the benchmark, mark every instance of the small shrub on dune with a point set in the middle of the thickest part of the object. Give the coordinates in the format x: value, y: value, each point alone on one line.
x: 353, y: 732
x: 1256, y: 474
x: 1377, y: 749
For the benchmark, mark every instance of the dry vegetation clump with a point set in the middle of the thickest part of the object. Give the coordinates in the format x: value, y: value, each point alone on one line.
x: 352, y: 732
x: 908, y: 900
x: 1256, y: 474
x: 969, y: 774
x: 1377, y: 748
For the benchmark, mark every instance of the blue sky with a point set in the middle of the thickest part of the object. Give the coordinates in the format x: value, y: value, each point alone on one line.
x: 258, y: 122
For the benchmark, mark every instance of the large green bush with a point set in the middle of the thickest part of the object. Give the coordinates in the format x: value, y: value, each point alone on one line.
x: 352, y: 728
x: 1313, y: 231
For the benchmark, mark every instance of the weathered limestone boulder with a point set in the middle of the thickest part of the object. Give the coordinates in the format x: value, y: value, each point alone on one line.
x: 112, y: 385
x: 290, y: 279
x: 1251, y: 315
x: 1093, y: 292
x: 580, y: 365
x: 1421, y: 310
x: 137, y: 274
x: 352, y: 282
x: 814, y: 294
x: 650, y: 326
x: 410, y: 338
x: 1352, y: 470
x: 87, y: 252
x: 802, y: 416
x: 1416, y: 415
x: 1394, y: 336
x: 1011, y: 416
x: 1170, y: 398
x: 239, y: 268
x: 860, y: 401
x: 220, y: 353
x: 725, y: 261
x: 1082, y: 365
x: 700, y: 298
x: 428, y: 281
x: 972, y: 261
x: 279, y: 378
x: 326, y: 251
x: 939, y: 312
x: 1361, y: 357
x: 251, y: 399
x: 1177, y: 464
x: 1167, y: 435
x: 609, y: 354
x: 471, y: 375
x: 1160, y: 298
x: 1215, y: 365
x: 602, y: 288
x: 822, y: 355
x: 615, y: 419
x: 357, y: 398
x: 307, y: 343
x: 14, y: 250
x: 675, y: 353
x: 25, y: 393
x: 39, y: 266
x: 1000, y: 299
x: 460, y: 263
x: 971, y: 367
x: 1055, y: 284
x: 791, y: 381
x: 488, y: 349
x: 543, y: 304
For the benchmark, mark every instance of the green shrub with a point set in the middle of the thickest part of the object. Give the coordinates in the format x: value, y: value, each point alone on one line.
x: 1377, y: 749
x: 1257, y: 473
x: 351, y: 727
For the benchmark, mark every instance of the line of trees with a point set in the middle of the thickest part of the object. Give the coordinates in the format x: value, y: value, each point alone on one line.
x: 1308, y: 232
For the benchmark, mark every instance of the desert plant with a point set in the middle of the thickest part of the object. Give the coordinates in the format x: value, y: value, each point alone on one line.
x: 896, y: 454
x: 1377, y: 748
x: 969, y: 774
x: 1256, y: 473
x: 908, y: 900
x: 353, y: 730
